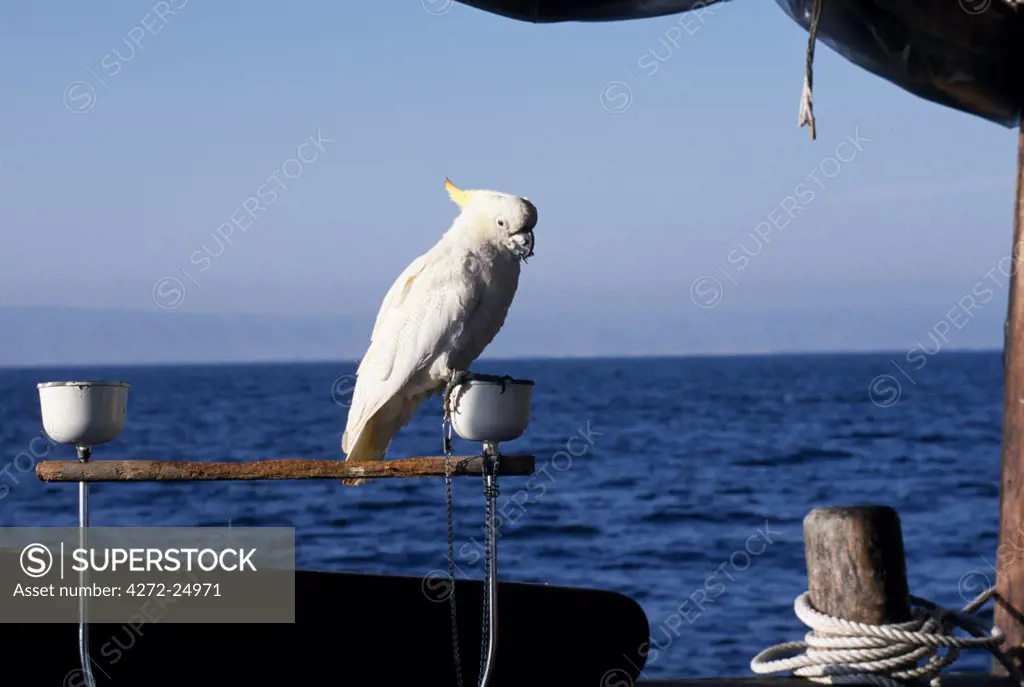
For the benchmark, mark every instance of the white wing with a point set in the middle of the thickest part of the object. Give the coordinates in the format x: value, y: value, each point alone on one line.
x: 398, y: 290
x: 422, y: 318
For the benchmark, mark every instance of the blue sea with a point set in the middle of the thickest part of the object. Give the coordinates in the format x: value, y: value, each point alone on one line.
x: 652, y: 476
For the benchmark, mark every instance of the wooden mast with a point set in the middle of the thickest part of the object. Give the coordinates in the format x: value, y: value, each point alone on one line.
x: 1010, y: 554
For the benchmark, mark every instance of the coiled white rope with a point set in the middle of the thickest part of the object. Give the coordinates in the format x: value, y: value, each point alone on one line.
x: 838, y: 651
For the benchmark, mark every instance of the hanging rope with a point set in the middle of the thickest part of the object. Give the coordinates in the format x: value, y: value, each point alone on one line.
x: 806, y: 105
x: 838, y: 651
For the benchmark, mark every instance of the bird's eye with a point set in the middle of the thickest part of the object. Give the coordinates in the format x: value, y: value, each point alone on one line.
x: 502, y: 223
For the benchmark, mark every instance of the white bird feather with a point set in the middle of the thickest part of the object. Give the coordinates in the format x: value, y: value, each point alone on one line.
x: 440, y: 314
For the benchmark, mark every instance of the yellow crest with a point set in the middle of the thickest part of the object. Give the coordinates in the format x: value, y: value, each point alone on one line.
x: 458, y: 196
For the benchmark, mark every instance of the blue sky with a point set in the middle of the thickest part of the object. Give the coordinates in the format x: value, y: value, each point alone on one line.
x: 182, y: 128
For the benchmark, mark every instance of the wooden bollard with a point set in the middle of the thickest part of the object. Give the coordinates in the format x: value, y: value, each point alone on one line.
x: 855, y: 564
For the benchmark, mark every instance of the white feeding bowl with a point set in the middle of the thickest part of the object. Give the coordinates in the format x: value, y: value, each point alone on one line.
x: 83, y: 413
x: 483, y: 411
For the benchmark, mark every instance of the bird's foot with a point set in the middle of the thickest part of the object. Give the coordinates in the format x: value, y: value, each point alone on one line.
x: 456, y: 378
x: 480, y: 377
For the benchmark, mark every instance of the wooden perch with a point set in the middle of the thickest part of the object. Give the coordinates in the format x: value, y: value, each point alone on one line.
x: 177, y: 471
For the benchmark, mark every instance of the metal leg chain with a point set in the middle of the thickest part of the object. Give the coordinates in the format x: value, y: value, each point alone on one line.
x: 84, y: 453
x: 490, y: 602
x: 490, y: 470
x: 487, y: 570
x: 446, y: 438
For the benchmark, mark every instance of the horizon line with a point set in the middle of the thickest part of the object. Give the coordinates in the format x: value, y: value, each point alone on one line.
x: 505, y: 358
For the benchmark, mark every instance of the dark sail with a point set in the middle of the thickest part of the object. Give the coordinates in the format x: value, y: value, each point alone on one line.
x: 965, y: 54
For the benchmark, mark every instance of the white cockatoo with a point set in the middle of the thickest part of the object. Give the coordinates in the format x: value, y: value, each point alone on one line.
x: 438, y: 317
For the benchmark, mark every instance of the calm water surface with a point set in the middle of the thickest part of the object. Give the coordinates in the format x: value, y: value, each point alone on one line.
x: 681, y: 470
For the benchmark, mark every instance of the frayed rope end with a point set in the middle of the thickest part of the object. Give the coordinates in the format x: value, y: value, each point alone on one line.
x: 807, y: 109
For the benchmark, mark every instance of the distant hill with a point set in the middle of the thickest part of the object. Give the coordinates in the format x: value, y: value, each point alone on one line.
x: 80, y: 336
x: 44, y: 336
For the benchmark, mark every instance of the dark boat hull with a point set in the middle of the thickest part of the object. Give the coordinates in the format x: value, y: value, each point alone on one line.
x: 354, y: 629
